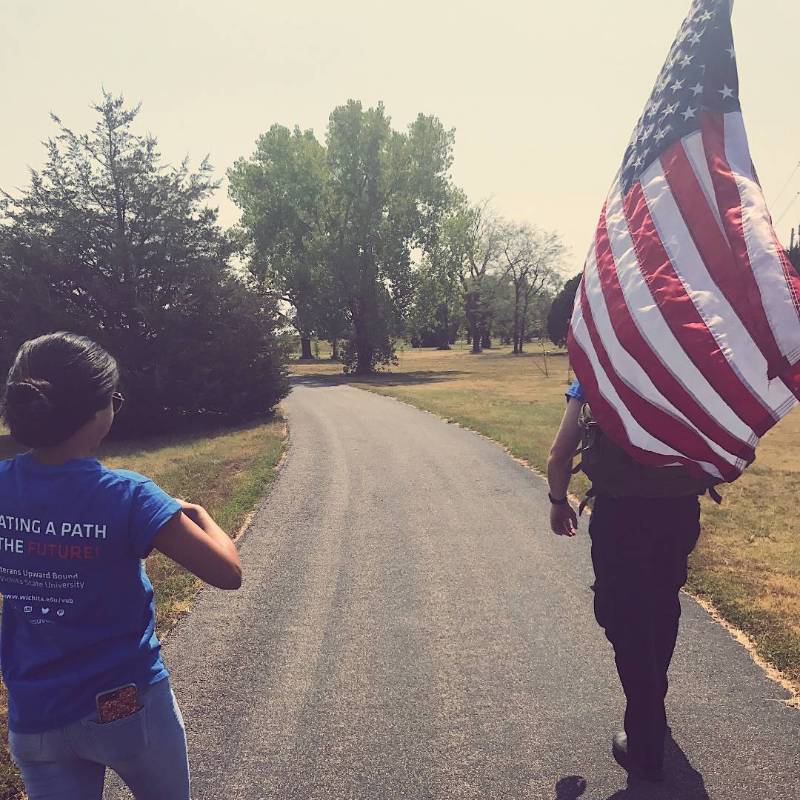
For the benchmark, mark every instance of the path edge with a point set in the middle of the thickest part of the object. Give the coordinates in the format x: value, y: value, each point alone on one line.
x: 742, y: 638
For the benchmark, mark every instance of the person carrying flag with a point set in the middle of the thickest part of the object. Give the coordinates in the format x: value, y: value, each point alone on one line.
x: 685, y: 340
x: 644, y: 525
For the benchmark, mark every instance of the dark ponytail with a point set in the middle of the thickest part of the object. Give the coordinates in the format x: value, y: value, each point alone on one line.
x: 57, y: 384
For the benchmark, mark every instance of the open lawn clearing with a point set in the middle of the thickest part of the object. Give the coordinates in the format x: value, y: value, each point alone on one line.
x: 748, y: 561
x: 227, y: 471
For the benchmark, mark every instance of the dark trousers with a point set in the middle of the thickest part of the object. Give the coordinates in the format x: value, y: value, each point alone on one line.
x: 640, y: 548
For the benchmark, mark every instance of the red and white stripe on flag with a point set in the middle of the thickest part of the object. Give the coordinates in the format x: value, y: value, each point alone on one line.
x: 686, y: 329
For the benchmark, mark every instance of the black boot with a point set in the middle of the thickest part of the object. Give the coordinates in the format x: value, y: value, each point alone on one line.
x: 619, y: 749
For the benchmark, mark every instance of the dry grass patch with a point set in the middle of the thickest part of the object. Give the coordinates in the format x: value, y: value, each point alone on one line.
x: 748, y: 561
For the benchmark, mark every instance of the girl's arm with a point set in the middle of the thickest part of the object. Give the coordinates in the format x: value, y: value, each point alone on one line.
x: 193, y: 540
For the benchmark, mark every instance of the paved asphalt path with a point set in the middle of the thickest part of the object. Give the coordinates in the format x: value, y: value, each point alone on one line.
x: 409, y: 628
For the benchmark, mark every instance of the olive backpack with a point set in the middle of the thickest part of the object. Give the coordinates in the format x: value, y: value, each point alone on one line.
x: 614, y: 473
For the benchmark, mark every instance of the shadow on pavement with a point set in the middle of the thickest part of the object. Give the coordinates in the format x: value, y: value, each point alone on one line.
x: 410, y: 378
x: 682, y: 782
x: 317, y: 380
x: 570, y: 788
x: 381, y: 379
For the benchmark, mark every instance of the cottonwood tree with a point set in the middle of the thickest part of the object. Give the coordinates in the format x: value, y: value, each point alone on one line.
x: 438, y: 307
x: 282, y: 190
x: 109, y: 241
x: 472, y: 241
x: 332, y: 228
x: 531, y: 259
x: 502, y: 309
x: 437, y: 311
x: 388, y: 191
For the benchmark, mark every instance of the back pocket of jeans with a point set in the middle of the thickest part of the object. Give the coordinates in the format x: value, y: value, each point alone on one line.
x: 120, y: 740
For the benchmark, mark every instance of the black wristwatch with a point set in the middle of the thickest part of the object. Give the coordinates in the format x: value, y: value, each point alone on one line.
x: 555, y: 502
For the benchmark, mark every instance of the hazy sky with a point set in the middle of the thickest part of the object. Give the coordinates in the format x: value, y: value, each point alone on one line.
x: 543, y: 95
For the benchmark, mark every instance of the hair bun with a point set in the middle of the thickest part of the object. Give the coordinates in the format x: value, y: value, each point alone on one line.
x: 30, y: 393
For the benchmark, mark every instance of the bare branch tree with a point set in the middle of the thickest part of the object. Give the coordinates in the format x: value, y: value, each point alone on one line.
x: 478, y: 235
x: 531, y: 259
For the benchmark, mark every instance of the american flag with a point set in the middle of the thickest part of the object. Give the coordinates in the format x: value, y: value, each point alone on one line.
x: 686, y: 329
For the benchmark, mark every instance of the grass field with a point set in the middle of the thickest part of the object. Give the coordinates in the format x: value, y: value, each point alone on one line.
x: 227, y: 471
x: 748, y: 561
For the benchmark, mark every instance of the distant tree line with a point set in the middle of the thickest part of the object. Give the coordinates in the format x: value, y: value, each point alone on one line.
x: 486, y: 277
x: 362, y: 239
x: 366, y: 240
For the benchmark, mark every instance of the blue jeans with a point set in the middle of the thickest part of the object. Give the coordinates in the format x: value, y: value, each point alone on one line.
x: 147, y: 750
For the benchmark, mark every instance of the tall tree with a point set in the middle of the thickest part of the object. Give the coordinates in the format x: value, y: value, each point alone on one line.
x: 388, y: 190
x: 537, y: 315
x: 437, y: 312
x: 283, y: 193
x: 110, y: 242
x: 502, y: 308
x: 531, y: 260
x: 473, y: 240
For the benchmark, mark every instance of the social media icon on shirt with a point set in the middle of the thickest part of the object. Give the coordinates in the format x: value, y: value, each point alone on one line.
x: 28, y: 609
x: 45, y: 610
x: 60, y: 612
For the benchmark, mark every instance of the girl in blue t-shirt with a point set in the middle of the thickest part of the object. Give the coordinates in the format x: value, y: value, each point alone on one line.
x: 80, y: 658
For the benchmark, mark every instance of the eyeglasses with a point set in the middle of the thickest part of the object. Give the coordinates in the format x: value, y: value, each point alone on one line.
x: 116, y: 401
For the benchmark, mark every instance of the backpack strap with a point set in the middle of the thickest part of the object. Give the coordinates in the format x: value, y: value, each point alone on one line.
x: 715, y: 495
x: 586, y: 423
x: 588, y: 497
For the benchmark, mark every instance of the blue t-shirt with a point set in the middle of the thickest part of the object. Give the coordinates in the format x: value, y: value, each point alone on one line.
x: 576, y: 392
x: 78, y: 610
